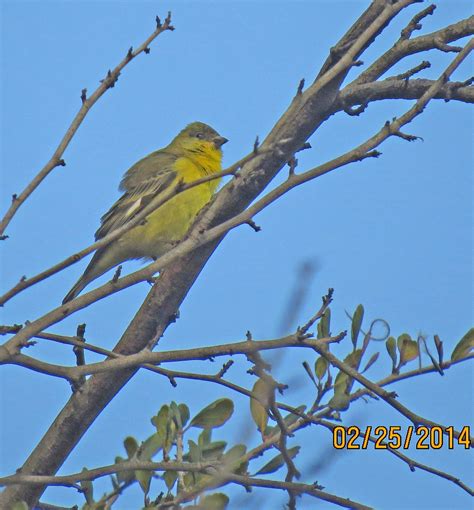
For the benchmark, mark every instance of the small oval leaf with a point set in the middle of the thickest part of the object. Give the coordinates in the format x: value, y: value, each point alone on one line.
x: 357, y: 319
x: 464, y: 346
x: 131, y: 446
x: 262, y: 390
x: 320, y: 367
x: 214, y: 415
x: 277, y: 462
x: 391, y: 345
x: 217, y: 501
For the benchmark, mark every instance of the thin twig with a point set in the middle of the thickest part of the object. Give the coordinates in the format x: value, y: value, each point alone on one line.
x: 87, y: 103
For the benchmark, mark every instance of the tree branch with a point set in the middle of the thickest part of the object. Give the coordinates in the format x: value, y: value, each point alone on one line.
x: 159, y: 308
x: 394, y: 89
x: 87, y: 103
x: 405, y: 47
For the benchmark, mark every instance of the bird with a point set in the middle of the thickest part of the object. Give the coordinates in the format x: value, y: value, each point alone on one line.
x: 194, y: 153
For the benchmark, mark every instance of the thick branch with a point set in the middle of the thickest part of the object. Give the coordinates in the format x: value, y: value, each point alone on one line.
x: 405, y: 89
x: 158, y: 310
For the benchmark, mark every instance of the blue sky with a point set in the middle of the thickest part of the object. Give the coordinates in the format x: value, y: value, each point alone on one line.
x: 394, y: 233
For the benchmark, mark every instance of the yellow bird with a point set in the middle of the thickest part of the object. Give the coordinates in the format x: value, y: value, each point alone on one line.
x: 193, y: 154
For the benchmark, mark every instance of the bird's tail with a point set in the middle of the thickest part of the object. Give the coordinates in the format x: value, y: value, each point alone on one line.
x: 78, y: 287
x: 97, y: 267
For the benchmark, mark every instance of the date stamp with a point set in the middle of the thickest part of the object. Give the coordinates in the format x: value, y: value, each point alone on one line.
x: 381, y: 437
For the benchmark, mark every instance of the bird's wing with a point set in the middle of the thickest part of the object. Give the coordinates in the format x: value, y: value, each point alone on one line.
x: 144, y: 180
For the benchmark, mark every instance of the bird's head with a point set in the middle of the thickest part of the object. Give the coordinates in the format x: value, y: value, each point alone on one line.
x: 199, y: 137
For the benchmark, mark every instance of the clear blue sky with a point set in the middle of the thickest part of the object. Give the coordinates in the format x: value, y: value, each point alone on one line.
x: 394, y: 234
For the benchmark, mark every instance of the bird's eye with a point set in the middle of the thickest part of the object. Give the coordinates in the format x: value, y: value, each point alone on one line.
x: 199, y: 135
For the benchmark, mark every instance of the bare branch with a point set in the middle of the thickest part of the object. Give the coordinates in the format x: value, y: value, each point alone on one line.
x: 404, y: 48
x: 393, y: 89
x: 87, y: 103
x: 92, y: 474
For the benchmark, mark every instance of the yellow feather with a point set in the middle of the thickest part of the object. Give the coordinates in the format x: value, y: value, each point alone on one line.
x: 193, y: 154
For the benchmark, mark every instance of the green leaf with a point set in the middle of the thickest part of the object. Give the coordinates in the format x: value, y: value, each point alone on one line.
x: 194, y: 451
x: 170, y: 478
x: 320, y: 367
x: 213, y: 450
x: 277, y: 462
x: 232, y: 459
x: 342, y: 381
x: 131, y: 446
x: 353, y: 358
x: 205, y: 437
x: 184, y: 411
x: 291, y: 418
x: 464, y: 346
x: 371, y: 361
x: 324, y: 325
x: 341, y: 398
x: 340, y: 402
x: 356, y: 324
x: 144, y: 478
x: 160, y: 421
x: 150, y: 447
x: 408, y: 349
x: 216, y: 501
x: 175, y: 415
x: 391, y: 345
x: 87, y: 488
x: 214, y: 415
x: 263, y: 391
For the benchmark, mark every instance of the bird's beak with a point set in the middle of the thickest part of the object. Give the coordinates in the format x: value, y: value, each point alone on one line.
x: 219, y: 141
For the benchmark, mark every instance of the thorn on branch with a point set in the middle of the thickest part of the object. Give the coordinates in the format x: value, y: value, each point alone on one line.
x: 117, y: 274
x: 146, y: 50
x: 14, y: 197
x: 248, y: 335
x: 130, y: 53
x: 357, y: 63
x: 61, y: 162
x: 253, y: 225
x: 83, y: 95
x: 299, y: 91
x: 255, y: 145
x: 111, y: 79
x: 415, y: 22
